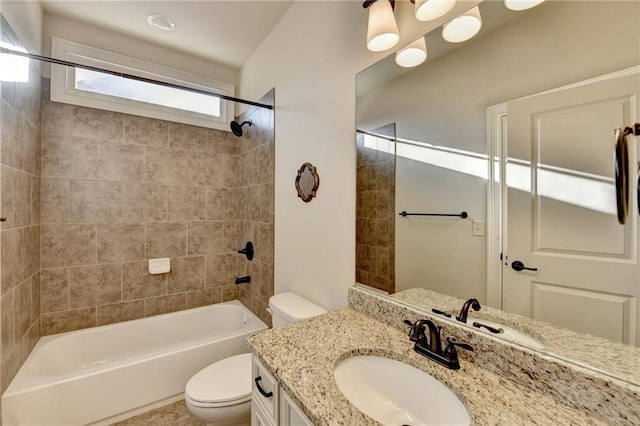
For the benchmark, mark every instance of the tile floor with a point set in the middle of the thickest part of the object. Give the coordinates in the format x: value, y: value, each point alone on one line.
x: 175, y: 414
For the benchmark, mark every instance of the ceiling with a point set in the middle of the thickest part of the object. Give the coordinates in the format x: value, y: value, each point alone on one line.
x: 223, y: 31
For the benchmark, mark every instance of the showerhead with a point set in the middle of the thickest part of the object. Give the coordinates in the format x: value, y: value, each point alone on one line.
x: 236, y: 128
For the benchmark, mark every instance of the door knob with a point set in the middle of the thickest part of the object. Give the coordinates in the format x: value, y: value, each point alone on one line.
x: 519, y: 266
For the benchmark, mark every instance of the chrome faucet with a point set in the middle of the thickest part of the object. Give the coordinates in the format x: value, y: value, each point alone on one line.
x: 464, y: 312
x: 431, y: 347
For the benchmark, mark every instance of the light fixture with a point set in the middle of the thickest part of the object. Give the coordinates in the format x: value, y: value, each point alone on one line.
x: 413, y: 54
x: 463, y: 27
x: 521, y: 4
x: 161, y: 22
x: 382, y: 31
x: 428, y: 10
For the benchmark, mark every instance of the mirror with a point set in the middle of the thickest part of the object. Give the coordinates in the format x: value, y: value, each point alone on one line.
x: 475, y: 101
x: 307, y: 182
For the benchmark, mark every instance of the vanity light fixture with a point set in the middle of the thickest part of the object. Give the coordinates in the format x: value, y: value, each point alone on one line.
x: 413, y: 54
x: 161, y: 22
x: 428, y: 10
x: 521, y: 4
x: 463, y: 27
x: 382, y: 30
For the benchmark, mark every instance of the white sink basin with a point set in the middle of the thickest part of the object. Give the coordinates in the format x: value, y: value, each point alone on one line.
x: 508, y: 333
x: 395, y: 393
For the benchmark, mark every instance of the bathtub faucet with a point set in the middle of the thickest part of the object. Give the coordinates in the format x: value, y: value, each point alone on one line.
x: 243, y: 280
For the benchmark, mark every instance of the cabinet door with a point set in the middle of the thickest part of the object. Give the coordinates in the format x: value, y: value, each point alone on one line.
x: 290, y: 414
x: 264, y: 384
x: 259, y: 417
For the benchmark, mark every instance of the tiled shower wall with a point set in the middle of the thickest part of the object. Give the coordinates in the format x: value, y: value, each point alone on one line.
x: 375, y: 214
x: 118, y: 190
x: 20, y: 206
x: 256, y: 205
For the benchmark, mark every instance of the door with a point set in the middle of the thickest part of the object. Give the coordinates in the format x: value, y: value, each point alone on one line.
x: 561, y: 209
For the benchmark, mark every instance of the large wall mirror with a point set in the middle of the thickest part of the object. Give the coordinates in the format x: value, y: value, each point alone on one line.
x: 515, y: 129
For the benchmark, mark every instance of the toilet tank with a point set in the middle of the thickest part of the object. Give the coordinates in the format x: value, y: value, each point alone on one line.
x: 288, y: 307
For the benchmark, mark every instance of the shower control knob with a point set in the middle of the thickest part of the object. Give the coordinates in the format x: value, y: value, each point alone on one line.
x: 516, y: 265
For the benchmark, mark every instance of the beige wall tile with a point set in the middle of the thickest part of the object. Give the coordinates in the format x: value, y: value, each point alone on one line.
x: 120, y: 162
x: 144, y: 202
x: 11, y: 136
x: 222, y: 142
x: 68, y: 157
x: 8, y: 200
x: 165, y: 304
x: 22, y: 309
x: 222, y: 203
x: 206, y: 169
x: 221, y: 269
x: 64, y: 119
x: 186, y: 203
x: 94, y: 285
x: 264, y: 236
x: 119, y: 242
x: 31, y: 146
x: 22, y: 197
x: 92, y: 201
x: 55, y: 201
x: 187, y: 273
x: 166, y: 239
x: 231, y: 171
x: 205, y: 238
x: 229, y: 293
x: 36, y: 304
x: 118, y: 312
x: 207, y: 296
x: 12, y: 363
x: 67, y: 245
x: 168, y: 166
x: 146, y: 131
x: 11, y: 269
x: 6, y: 315
x: 138, y: 283
x: 30, y: 250
x: 231, y: 236
x: 36, y: 200
x: 54, y: 289
x: 60, y: 322
x: 187, y: 137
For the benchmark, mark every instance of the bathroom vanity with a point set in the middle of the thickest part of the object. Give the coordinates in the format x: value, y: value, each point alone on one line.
x: 498, y: 383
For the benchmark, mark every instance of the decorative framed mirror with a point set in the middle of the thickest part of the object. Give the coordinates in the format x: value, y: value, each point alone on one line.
x: 307, y: 182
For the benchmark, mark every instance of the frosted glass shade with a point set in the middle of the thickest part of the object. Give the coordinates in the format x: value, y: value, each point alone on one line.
x: 521, y: 4
x: 412, y: 55
x: 382, y: 32
x: 463, y: 27
x: 428, y: 10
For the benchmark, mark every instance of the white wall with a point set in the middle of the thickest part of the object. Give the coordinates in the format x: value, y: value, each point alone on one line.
x: 312, y: 58
x: 56, y: 26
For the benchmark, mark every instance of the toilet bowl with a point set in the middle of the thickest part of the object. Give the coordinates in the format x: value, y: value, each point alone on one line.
x: 220, y: 394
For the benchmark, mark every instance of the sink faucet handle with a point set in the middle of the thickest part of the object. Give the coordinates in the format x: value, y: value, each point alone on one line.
x: 450, y: 350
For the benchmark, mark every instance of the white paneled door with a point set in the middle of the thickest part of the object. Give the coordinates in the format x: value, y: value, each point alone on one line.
x: 560, y: 206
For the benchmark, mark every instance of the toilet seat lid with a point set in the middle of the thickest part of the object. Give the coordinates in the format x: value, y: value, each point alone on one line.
x: 224, y: 381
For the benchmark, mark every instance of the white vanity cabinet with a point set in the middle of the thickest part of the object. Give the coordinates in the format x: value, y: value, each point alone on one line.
x: 271, y: 406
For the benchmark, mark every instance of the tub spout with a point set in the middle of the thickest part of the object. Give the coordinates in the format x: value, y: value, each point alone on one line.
x: 243, y: 280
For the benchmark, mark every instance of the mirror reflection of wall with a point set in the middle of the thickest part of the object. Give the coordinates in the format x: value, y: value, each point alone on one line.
x: 440, y: 112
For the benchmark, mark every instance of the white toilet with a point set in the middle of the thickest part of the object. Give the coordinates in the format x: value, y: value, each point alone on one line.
x: 220, y: 394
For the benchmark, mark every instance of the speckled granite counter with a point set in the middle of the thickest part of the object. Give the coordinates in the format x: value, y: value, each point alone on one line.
x: 302, y: 357
x: 586, y: 349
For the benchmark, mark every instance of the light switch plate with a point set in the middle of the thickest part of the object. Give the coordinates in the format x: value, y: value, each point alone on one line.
x: 477, y: 228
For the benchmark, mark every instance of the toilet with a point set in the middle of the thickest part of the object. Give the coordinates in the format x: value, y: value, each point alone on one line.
x: 220, y: 394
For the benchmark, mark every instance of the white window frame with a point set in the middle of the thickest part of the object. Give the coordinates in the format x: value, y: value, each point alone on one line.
x: 63, y: 85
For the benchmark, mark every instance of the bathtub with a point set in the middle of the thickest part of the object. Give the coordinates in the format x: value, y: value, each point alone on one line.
x: 106, y: 374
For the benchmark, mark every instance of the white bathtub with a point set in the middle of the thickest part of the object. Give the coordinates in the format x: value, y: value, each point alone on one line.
x: 105, y: 374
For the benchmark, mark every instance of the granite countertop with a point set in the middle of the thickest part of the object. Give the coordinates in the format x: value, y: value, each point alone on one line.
x: 584, y: 349
x: 302, y: 356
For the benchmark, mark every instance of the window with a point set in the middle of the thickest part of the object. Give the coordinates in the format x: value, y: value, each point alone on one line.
x: 106, y: 91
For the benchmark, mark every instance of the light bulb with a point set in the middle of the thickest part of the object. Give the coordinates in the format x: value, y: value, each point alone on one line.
x: 413, y: 54
x: 521, y: 4
x: 428, y: 10
x: 463, y: 27
x: 382, y: 32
